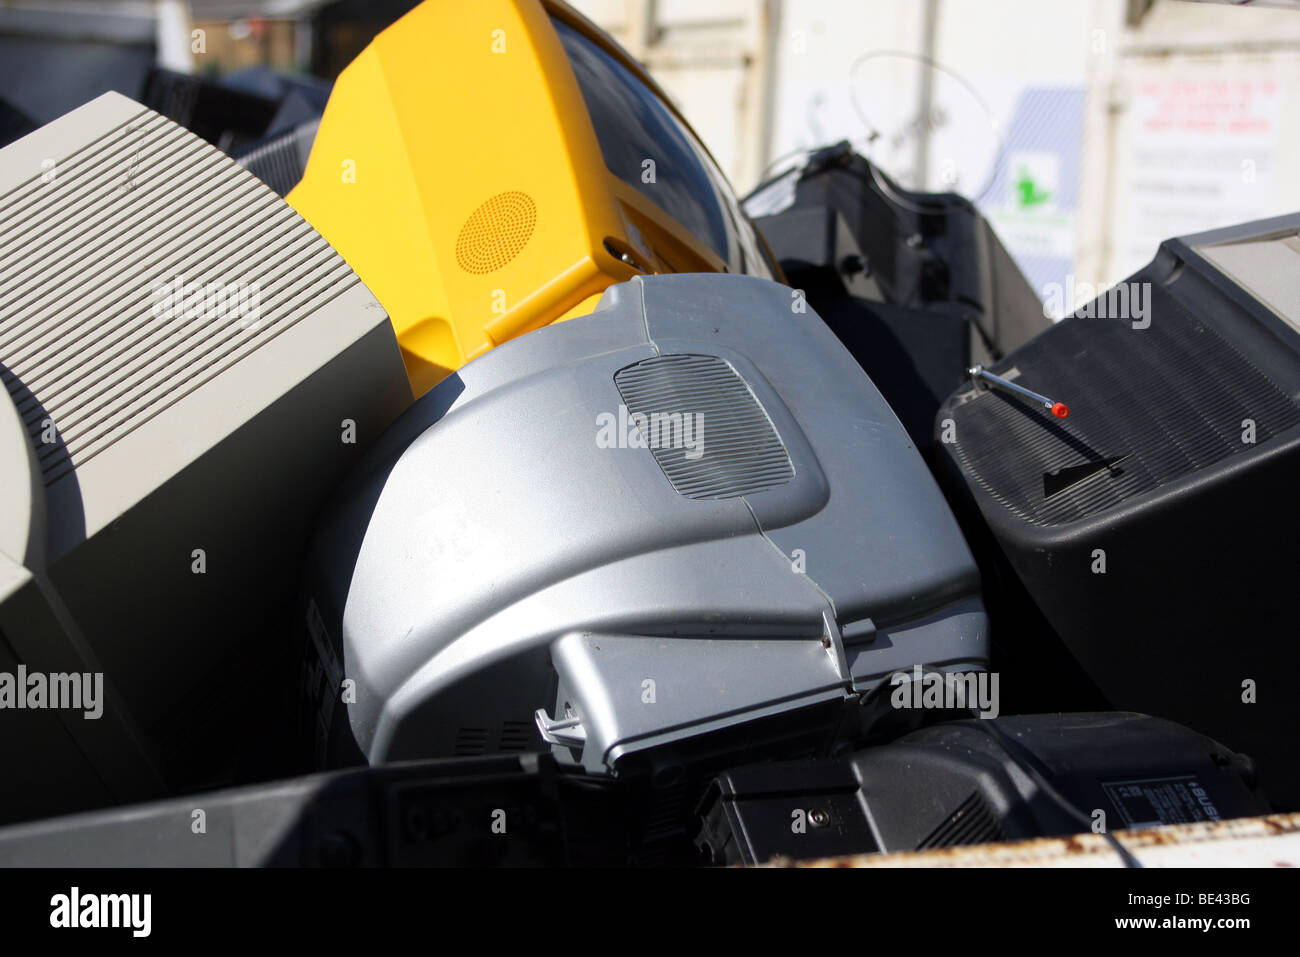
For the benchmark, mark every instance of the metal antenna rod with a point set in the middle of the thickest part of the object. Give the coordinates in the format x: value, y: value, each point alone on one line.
x: 978, y: 372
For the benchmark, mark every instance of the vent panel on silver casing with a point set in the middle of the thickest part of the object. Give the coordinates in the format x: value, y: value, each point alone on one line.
x: 707, y: 431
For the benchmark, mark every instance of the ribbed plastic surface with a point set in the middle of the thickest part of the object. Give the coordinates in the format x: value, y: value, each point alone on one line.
x: 1147, y: 407
x: 279, y: 162
x: 85, y: 261
x: 972, y: 823
x: 738, y: 450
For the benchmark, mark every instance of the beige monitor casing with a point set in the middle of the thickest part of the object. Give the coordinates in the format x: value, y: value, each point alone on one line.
x: 190, y: 369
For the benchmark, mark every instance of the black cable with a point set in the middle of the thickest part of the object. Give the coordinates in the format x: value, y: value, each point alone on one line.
x: 874, y: 133
x: 1064, y: 803
x: 1012, y: 751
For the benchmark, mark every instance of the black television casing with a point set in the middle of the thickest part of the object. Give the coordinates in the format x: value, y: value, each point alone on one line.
x: 1192, y: 616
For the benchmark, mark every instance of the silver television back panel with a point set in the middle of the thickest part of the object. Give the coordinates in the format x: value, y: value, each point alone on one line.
x: 685, y: 524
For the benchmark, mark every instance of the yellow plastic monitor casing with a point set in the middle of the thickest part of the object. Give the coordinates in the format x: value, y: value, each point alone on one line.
x: 458, y: 172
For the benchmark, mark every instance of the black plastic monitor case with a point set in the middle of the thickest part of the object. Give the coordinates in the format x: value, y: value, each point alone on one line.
x: 1156, y: 526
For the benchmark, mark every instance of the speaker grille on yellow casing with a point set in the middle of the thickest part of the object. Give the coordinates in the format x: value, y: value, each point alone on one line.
x: 496, y: 232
